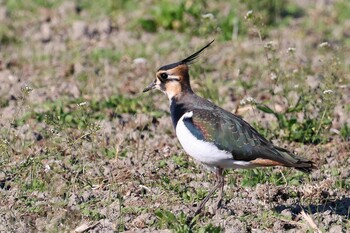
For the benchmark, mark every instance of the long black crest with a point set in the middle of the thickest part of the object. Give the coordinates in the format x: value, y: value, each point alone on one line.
x: 186, y: 61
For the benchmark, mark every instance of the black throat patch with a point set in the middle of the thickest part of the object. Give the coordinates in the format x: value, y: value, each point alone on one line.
x: 177, y: 110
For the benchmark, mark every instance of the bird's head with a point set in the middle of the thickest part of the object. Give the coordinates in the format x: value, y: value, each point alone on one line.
x: 173, y: 79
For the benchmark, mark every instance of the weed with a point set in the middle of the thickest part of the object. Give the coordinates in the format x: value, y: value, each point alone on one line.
x: 273, y: 11
x: 345, y: 132
x: 210, y: 90
x: 7, y: 35
x: 110, y: 153
x: 101, y: 55
x: 14, y: 6
x: 180, y: 161
x: 87, y: 211
x: 104, y: 8
x: 162, y: 164
x: 343, y: 10
x: 179, y: 223
x: 78, y: 113
x: 252, y: 177
x: 298, y: 119
x: 172, y: 16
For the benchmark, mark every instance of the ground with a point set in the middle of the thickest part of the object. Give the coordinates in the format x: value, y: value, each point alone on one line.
x: 83, y: 149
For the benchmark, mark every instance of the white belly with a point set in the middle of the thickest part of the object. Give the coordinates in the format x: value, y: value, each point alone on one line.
x: 205, y: 152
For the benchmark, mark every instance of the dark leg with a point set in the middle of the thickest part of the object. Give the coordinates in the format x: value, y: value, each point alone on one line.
x: 221, y: 181
x: 219, y: 184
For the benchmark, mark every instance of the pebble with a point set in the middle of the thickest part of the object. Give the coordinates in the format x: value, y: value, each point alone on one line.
x: 336, y: 229
x: 45, y: 31
x: 79, y: 29
x: 287, y: 213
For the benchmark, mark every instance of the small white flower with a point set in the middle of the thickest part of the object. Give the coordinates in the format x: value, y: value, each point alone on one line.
x: 5, y: 141
x: 140, y: 61
x: 12, y: 78
x: 82, y: 104
x: 208, y: 16
x: 27, y: 89
x: 249, y: 14
x: 290, y: 50
x: 323, y: 45
x: 248, y: 100
x: 270, y: 45
x: 327, y: 92
x: 47, y: 168
x: 273, y: 76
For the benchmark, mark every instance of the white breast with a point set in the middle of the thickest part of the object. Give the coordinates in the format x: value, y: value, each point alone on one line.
x: 205, y: 152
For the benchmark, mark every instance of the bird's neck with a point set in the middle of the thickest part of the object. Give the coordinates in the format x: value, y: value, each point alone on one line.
x: 179, y: 105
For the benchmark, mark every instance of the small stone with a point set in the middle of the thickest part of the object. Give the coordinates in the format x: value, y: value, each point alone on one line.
x: 140, y: 221
x: 104, y: 27
x: 67, y: 8
x: 313, y: 81
x: 45, y: 31
x: 79, y: 29
x: 335, y: 229
x: 86, y: 196
x: 278, y: 226
x: 78, y: 68
x: 3, y: 13
x: 140, y: 60
x: 287, y: 213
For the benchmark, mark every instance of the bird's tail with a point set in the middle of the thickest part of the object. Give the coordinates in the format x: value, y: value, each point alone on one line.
x: 292, y: 160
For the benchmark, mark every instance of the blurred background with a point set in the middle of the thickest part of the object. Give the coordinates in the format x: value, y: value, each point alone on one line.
x: 81, y: 148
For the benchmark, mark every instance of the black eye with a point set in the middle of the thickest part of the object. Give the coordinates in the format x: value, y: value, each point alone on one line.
x: 164, y: 75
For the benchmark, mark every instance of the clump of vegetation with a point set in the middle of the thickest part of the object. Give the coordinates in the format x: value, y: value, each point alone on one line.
x: 272, y: 12
x: 178, y: 16
x: 192, y: 15
x: 79, y: 113
x: 308, y: 113
x: 181, y: 223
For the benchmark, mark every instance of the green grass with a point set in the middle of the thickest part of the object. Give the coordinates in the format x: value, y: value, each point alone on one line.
x: 110, y: 55
x: 8, y: 35
x: 345, y: 132
x: 79, y: 113
x: 179, y: 223
x: 21, y: 5
x: 252, y: 177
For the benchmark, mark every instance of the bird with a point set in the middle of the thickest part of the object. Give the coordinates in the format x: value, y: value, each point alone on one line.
x: 214, y: 137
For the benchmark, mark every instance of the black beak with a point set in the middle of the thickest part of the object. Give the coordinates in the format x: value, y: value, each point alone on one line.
x: 150, y: 87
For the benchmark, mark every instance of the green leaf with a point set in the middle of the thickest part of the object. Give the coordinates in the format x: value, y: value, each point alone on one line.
x: 265, y: 108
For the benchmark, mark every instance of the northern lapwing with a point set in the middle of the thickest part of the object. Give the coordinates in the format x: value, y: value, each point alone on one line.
x: 213, y: 136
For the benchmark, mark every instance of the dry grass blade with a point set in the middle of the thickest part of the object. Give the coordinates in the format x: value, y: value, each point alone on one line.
x: 85, y: 227
x: 310, y: 221
x: 291, y: 222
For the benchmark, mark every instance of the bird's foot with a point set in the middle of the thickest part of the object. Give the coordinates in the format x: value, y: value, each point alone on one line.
x: 222, y: 208
x: 191, y: 219
x: 219, y: 204
x: 198, y: 211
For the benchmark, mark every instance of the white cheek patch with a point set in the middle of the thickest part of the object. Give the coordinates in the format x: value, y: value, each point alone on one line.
x: 159, y: 86
x: 173, y: 78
